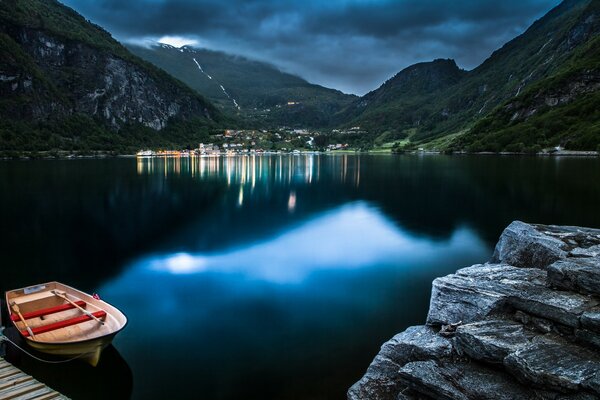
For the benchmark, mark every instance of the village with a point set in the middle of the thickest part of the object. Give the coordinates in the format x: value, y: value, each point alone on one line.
x: 280, y: 141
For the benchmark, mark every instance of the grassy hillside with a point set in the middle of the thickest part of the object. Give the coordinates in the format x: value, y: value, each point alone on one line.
x: 255, y: 90
x: 547, y: 49
x: 401, y: 103
x: 562, y: 110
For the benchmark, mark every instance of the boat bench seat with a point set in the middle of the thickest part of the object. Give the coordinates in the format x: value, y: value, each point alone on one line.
x: 48, y: 311
x: 63, y: 324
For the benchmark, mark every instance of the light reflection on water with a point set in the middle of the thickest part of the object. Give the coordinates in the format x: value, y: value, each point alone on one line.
x: 248, y: 169
x: 350, y: 237
x: 273, y: 277
x: 279, y: 306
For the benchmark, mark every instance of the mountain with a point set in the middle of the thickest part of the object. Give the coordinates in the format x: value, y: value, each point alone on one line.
x: 401, y: 102
x: 257, y: 91
x: 560, y: 110
x: 65, y: 83
x: 455, y: 109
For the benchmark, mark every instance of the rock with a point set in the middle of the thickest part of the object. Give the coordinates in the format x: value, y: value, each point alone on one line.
x: 572, y: 236
x: 381, y: 380
x: 561, y: 307
x: 105, y: 83
x: 491, y: 341
x: 405, y: 396
x: 588, y: 337
x: 539, y: 324
x: 577, y: 274
x: 591, y: 320
x: 463, y: 380
x: 523, y: 245
x: 514, y: 335
x: 589, y: 333
x: 424, y: 377
x: 593, y: 251
x: 553, y: 363
x: 474, y: 293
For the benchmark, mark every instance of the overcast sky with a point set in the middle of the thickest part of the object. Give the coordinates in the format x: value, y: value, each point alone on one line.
x: 350, y: 45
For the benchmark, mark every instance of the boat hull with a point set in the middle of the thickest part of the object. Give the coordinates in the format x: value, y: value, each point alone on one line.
x: 83, y: 338
x: 89, y: 351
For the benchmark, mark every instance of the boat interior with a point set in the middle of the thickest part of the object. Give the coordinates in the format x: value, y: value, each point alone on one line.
x: 56, y: 313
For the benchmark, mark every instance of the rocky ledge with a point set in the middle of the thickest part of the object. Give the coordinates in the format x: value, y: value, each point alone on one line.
x: 525, y: 325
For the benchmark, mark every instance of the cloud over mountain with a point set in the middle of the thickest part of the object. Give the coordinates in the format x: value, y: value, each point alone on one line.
x: 352, y: 45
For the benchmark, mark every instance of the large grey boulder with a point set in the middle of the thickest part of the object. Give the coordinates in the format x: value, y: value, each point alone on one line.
x: 591, y: 320
x: 491, y: 341
x: 426, y: 378
x: 562, y: 307
x: 382, y: 381
x: 576, y: 274
x: 474, y: 293
x: 593, y: 251
x: 458, y: 380
x: 523, y: 245
x: 551, y: 362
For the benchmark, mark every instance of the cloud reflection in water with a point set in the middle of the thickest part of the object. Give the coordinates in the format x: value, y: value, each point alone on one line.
x: 353, y: 236
x: 332, y: 282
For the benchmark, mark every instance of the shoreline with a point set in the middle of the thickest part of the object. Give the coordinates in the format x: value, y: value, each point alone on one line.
x: 23, y: 156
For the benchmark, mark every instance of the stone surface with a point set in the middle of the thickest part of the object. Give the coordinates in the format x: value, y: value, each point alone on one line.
x: 593, y: 251
x: 576, y: 274
x: 491, y: 341
x: 523, y: 245
x: 572, y: 236
x: 588, y: 337
x: 539, y: 324
x: 555, y: 364
x: 381, y: 380
x: 563, y: 307
x: 464, y: 380
x: 474, y: 293
x: 591, y: 320
x: 426, y: 378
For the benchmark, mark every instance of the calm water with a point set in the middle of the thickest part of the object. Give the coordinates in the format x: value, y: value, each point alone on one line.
x: 264, y: 277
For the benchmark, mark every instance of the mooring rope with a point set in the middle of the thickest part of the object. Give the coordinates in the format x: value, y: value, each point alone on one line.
x: 5, y: 339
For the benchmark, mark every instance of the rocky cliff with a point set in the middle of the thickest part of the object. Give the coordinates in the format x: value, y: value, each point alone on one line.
x: 58, y: 70
x: 525, y: 325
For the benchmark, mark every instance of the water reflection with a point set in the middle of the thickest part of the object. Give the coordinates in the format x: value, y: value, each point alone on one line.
x: 262, y: 319
x: 349, y: 237
x: 241, y: 170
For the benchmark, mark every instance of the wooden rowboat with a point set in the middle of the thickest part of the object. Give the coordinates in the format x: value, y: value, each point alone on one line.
x: 57, y: 319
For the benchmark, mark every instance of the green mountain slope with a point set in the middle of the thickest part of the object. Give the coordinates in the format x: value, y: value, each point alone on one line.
x: 400, y: 104
x: 255, y: 90
x: 67, y: 84
x: 449, y: 108
x: 561, y: 110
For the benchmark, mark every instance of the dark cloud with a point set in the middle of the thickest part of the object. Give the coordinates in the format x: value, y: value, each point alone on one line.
x: 352, y: 45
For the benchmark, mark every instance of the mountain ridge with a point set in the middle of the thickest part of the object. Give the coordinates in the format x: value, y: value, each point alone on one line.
x: 435, y: 119
x: 67, y: 84
x: 263, y: 94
